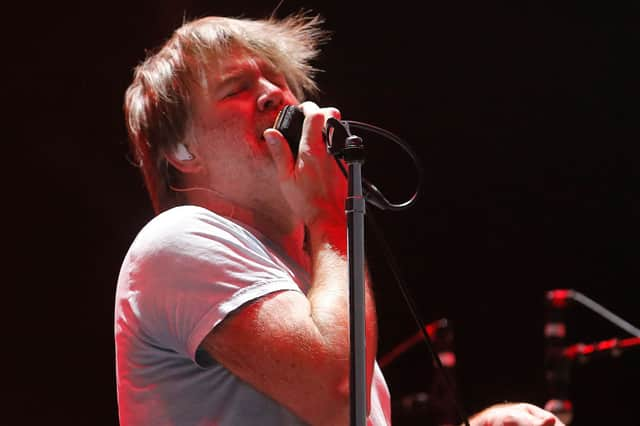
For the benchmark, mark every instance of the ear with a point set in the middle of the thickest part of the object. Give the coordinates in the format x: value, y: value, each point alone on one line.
x: 183, y: 160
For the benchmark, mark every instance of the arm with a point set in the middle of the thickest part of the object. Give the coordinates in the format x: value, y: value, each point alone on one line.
x: 329, y: 300
x: 291, y: 347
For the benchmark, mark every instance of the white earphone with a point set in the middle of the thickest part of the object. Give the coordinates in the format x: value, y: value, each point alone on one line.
x: 182, y: 153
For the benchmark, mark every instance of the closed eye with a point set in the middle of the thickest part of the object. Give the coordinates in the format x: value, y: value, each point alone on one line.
x: 234, y: 91
x: 234, y: 85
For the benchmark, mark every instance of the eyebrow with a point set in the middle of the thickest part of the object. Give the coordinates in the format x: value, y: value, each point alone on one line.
x: 241, y: 72
x: 229, y: 80
x: 248, y: 67
x: 232, y: 78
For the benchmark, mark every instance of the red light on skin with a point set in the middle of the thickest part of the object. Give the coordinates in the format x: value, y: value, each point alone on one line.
x: 563, y: 409
x: 559, y: 298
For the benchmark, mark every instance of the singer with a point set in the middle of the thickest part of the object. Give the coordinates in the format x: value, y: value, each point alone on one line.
x: 231, y: 305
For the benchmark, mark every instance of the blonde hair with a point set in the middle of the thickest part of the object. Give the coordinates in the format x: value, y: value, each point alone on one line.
x: 158, y: 102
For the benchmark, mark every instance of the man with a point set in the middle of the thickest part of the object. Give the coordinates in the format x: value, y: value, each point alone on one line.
x: 232, y: 303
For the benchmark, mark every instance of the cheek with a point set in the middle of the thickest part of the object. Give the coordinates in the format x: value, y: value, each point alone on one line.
x: 223, y: 135
x: 232, y: 148
x: 231, y: 133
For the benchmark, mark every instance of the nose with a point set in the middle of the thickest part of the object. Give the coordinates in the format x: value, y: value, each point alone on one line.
x: 270, y: 97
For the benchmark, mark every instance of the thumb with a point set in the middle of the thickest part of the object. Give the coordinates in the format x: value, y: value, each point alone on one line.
x: 280, y: 152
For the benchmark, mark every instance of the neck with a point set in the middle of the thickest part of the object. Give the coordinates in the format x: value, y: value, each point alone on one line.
x: 288, y: 234
x: 277, y: 224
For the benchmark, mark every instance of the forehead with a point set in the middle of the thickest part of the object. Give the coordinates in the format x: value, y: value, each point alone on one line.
x: 236, y: 62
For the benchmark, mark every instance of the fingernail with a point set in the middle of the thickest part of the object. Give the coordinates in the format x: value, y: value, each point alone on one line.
x: 270, y: 138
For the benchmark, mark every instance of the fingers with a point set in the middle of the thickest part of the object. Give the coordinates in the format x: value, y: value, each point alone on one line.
x: 312, y: 184
x: 310, y: 108
x: 515, y: 414
x: 312, y: 140
x: 312, y: 130
x: 544, y: 417
x: 280, y: 152
x: 536, y: 416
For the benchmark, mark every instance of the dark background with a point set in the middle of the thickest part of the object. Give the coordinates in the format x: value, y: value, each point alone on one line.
x: 524, y: 117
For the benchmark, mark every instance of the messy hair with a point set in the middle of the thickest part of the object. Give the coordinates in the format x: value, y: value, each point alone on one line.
x: 158, y: 106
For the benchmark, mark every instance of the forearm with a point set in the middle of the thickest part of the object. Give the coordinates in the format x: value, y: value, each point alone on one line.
x: 329, y: 299
x: 316, y: 191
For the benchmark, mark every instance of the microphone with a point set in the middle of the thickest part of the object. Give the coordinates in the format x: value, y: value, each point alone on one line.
x: 289, y: 122
x: 557, y: 365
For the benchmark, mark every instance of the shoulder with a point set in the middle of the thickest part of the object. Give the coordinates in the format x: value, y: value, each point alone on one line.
x: 190, y: 244
x: 187, y: 226
x: 186, y: 236
x: 183, y: 219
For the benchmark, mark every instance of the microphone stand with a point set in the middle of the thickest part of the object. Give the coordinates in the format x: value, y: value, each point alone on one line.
x: 557, y: 367
x: 355, y: 210
x: 559, y: 358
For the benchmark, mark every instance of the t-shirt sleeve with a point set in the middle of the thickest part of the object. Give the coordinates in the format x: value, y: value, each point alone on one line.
x: 190, y: 268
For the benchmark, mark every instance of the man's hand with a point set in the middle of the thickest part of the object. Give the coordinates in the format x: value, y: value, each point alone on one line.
x: 312, y: 183
x: 514, y: 414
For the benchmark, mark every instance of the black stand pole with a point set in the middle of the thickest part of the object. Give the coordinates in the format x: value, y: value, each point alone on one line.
x: 355, y: 210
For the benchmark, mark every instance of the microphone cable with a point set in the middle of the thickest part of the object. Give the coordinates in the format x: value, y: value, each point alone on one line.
x: 393, y: 266
x: 372, y: 194
x: 290, y: 122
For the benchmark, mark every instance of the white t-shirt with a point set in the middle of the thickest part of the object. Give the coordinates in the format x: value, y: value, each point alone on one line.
x: 185, y: 272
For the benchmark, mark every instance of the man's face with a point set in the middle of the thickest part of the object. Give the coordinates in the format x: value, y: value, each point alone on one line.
x: 241, y: 98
